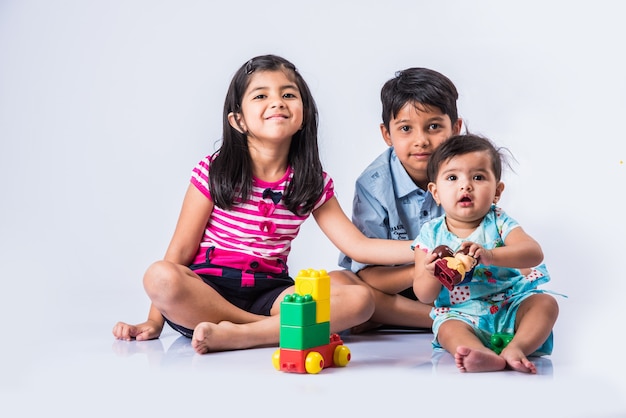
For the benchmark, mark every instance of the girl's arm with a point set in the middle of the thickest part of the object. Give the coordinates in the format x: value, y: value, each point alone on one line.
x: 192, y: 221
x: 520, y: 251
x: 349, y: 240
x: 425, y: 285
x: 190, y: 227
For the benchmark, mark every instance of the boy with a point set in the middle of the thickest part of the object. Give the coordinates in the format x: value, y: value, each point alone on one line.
x: 391, y: 197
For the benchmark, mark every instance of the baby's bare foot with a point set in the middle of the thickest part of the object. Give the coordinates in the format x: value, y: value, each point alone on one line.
x: 474, y: 360
x: 517, y: 360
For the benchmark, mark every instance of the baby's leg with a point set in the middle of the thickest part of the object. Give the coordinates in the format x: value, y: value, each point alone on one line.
x: 470, y: 355
x: 534, y: 320
x: 479, y: 359
x: 516, y: 359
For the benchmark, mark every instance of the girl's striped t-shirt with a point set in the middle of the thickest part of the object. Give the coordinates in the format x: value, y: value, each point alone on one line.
x: 261, y: 226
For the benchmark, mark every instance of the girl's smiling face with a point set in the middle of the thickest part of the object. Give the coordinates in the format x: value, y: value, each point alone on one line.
x: 466, y: 187
x: 271, y: 108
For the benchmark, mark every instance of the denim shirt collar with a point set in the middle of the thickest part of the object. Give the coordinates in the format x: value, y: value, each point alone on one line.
x: 402, y: 182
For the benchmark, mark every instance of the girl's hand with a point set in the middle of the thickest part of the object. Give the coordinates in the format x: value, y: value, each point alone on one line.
x: 148, y: 330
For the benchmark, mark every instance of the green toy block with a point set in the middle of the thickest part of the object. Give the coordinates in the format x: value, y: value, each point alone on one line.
x: 298, y: 310
x: 499, y: 341
x: 302, y: 338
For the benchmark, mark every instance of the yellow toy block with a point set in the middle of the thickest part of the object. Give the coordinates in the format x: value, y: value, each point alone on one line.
x: 323, y: 311
x: 313, y: 282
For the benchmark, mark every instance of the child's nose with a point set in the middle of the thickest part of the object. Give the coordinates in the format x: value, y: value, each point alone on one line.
x: 278, y: 102
x: 421, y: 139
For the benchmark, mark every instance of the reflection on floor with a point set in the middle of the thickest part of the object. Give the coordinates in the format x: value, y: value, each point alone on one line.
x: 391, y: 372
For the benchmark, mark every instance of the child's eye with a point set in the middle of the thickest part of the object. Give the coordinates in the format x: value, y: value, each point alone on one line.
x: 451, y: 177
x: 289, y: 96
x: 405, y: 128
x: 479, y: 177
x: 433, y: 126
x: 260, y: 96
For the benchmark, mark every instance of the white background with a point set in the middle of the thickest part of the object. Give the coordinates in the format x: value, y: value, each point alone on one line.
x: 105, y: 107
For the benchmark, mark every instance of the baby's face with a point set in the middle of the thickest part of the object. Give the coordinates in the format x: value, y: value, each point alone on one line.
x: 466, y: 187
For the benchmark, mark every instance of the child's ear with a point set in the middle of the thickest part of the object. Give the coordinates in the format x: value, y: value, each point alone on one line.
x: 385, y: 132
x: 432, y: 188
x: 236, y: 121
x: 456, y: 129
x: 499, y: 190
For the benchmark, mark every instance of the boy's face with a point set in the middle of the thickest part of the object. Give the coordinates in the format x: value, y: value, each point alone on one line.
x: 415, y: 132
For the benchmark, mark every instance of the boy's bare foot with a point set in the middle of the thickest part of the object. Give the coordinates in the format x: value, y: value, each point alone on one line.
x: 517, y: 360
x: 208, y: 336
x: 474, y: 360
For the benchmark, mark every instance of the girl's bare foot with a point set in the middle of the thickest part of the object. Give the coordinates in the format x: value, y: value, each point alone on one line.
x: 208, y: 336
x: 475, y: 360
x: 517, y: 360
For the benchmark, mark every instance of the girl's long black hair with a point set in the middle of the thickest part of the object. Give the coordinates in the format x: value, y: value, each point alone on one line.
x: 230, y: 175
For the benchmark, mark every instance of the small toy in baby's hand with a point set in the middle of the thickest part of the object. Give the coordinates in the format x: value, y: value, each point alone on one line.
x: 453, y: 269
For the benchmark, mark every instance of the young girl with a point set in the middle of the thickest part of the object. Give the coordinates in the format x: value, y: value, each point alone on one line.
x: 502, y: 296
x: 225, y: 270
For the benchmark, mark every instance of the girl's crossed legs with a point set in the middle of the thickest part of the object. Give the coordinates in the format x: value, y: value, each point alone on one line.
x: 184, y: 299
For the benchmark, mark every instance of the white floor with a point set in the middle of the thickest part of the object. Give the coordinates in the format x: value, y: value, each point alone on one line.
x: 391, y: 372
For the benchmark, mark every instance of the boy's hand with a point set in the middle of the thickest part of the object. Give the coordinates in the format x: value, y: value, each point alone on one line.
x: 148, y: 330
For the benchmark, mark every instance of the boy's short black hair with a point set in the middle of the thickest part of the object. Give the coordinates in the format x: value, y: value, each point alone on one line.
x: 421, y: 86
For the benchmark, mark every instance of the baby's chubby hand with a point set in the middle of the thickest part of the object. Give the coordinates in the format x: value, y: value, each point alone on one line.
x: 429, y: 262
x: 480, y: 253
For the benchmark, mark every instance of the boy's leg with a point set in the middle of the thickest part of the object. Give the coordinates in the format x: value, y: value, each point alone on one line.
x: 400, y: 311
x: 390, y: 309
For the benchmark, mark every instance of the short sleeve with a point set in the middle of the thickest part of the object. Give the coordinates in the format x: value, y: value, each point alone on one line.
x: 200, y: 176
x: 327, y: 193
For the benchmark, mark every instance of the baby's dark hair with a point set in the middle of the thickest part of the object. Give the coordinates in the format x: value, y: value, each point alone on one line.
x: 419, y: 86
x: 464, y: 144
x: 230, y: 175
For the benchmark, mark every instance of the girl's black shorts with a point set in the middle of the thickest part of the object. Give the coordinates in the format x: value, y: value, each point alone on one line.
x: 257, y: 299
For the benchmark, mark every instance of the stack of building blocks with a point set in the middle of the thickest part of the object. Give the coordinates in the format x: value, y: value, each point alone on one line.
x: 306, y: 344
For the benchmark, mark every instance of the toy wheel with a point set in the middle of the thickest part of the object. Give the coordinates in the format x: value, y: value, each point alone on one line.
x: 314, y: 362
x: 342, y: 356
x: 276, y: 359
